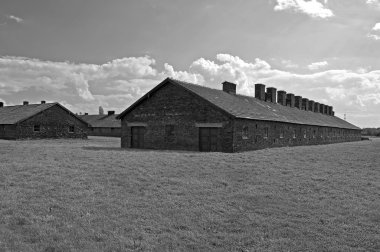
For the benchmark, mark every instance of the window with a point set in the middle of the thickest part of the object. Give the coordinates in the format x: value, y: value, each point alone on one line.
x: 294, y: 133
x: 266, y: 132
x: 304, y: 133
x: 36, y: 128
x: 282, y: 133
x: 169, y: 130
x: 71, y: 129
x: 314, y: 133
x: 245, y: 132
x: 169, y: 133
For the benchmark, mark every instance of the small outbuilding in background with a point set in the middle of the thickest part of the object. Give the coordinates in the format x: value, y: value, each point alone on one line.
x: 44, y: 120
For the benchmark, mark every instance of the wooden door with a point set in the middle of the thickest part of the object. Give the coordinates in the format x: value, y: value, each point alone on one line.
x: 208, y: 139
x: 137, y: 137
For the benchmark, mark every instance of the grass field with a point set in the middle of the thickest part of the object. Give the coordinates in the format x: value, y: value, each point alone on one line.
x: 89, y: 195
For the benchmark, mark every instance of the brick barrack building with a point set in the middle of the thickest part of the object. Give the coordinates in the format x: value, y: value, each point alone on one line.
x: 103, y: 125
x: 181, y: 116
x: 44, y: 120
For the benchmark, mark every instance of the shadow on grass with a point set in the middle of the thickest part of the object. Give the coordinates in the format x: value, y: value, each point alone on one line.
x: 102, y: 148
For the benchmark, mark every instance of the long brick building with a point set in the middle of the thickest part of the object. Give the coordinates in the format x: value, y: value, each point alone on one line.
x: 45, y: 120
x: 103, y: 125
x: 183, y: 116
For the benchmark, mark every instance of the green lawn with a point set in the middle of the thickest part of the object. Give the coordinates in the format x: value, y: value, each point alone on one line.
x: 90, y: 195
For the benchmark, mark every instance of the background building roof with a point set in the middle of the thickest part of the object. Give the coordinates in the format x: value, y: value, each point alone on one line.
x: 19, y: 113
x: 102, y: 121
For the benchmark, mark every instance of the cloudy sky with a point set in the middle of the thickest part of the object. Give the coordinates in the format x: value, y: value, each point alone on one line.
x: 87, y: 53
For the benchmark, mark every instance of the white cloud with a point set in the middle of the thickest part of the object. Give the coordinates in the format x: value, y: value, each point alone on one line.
x: 375, y: 32
x: 317, y: 65
x: 375, y: 3
x: 118, y: 83
x: 17, y: 19
x: 312, y: 8
x: 289, y: 64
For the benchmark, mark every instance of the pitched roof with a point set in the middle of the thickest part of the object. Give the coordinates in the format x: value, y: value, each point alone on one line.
x: 247, y: 107
x: 19, y: 113
x: 102, y: 121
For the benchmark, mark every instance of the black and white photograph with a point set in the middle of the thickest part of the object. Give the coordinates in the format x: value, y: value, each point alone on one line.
x: 178, y: 125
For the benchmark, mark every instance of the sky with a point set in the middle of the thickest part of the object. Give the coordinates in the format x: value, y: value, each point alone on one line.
x: 90, y: 53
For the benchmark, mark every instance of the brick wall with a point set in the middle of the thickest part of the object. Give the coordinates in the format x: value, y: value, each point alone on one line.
x: 7, y: 131
x: 250, y: 135
x: 108, y: 132
x: 172, y: 105
x: 54, y: 123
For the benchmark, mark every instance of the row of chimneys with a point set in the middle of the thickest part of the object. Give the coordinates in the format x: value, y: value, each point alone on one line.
x: 24, y: 103
x: 283, y: 98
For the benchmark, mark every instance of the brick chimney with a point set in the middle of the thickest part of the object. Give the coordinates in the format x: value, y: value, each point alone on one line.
x: 316, y: 107
x: 1, y: 104
x: 326, y: 111
x: 305, y: 104
x: 111, y: 112
x: 311, y: 105
x: 86, y: 113
x: 25, y: 103
x: 321, y: 108
x: 43, y: 102
x: 290, y: 101
x: 271, y: 94
x: 281, y: 97
x: 229, y: 87
x: 298, y: 101
x: 260, y: 91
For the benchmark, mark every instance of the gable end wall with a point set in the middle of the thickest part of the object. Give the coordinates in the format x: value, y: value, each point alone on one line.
x: 54, y: 123
x: 174, y: 105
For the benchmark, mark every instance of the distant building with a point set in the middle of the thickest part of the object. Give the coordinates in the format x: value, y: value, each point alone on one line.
x: 45, y: 120
x: 182, y: 116
x: 103, y: 125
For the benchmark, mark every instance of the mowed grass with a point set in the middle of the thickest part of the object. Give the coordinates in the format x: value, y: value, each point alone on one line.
x: 90, y: 195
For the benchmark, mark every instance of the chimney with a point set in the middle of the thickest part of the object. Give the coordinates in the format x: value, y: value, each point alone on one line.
x: 25, y: 103
x: 260, y: 91
x: 290, y: 101
x: 43, y: 102
x: 228, y: 87
x: 281, y: 97
x: 271, y: 94
x: 305, y: 104
x: 298, y: 101
x: 1, y: 104
x: 85, y: 113
x: 326, y: 111
x: 316, y: 107
x: 311, y: 105
x: 321, y: 108
x: 111, y: 112
x: 333, y: 113
x: 330, y: 110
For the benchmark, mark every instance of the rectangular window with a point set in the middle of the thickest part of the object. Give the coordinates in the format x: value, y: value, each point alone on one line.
x: 314, y: 133
x: 71, y: 129
x: 294, y: 133
x: 282, y: 133
x: 169, y: 133
x: 304, y: 133
x: 169, y: 130
x: 245, y: 132
x: 266, y: 132
x: 36, y: 128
